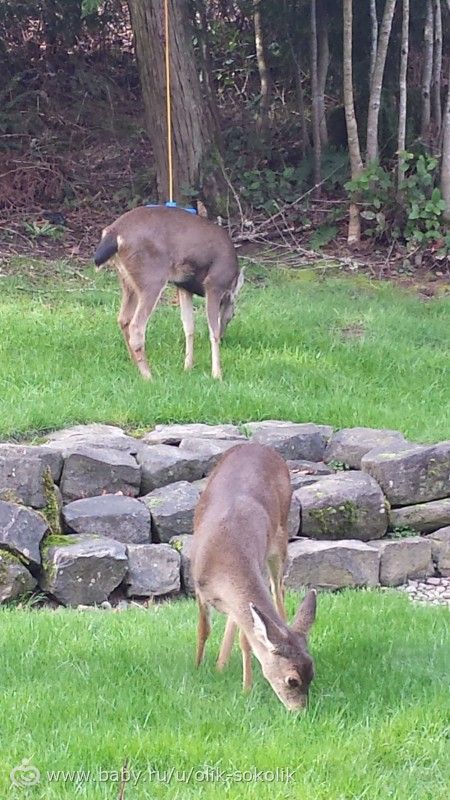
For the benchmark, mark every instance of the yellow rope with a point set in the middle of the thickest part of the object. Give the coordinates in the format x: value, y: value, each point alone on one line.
x: 168, y: 105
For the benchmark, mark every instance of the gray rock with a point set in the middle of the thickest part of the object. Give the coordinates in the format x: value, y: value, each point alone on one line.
x: 440, y: 549
x: 162, y: 464
x: 172, y: 509
x: 15, y: 580
x: 94, y: 435
x: 412, y: 474
x: 21, y: 531
x: 403, y: 559
x: 349, y: 445
x: 347, y: 505
x: 84, y: 571
x: 331, y: 565
x: 153, y: 570
x: 303, y: 473
x: 24, y: 472
x: 183, y: 545
x: 114, y: 516
x: 293, y: 526
x: 207, y: 452
x: 91, y: 471
x: 423, y: 517
x: 292, y: 440
x: 173, y: 434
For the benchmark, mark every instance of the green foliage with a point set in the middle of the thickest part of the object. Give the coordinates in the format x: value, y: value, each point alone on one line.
x: 36, y: 230
x: 401, y: 532
x: 267, y: 189
x: 414, y: 213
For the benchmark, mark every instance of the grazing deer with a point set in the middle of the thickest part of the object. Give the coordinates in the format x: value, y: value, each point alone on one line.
x: 159, y: 245
x: 239, y: 531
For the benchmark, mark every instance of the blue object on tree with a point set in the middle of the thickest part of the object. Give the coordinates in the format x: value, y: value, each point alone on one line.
x: 172, y: 204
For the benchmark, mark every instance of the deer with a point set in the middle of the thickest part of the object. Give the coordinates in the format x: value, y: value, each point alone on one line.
x: 240, y: 539
x: 154, y: 246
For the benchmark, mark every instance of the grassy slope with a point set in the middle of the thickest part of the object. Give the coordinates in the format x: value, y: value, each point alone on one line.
x: 86, y: 690
x: 62, y: 359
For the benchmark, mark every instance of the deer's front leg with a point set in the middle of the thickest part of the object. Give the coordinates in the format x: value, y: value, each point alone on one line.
x: 213, y: 314
x: 187, y: 318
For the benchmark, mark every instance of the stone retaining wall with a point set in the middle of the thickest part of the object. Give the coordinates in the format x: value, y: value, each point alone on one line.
x: 93, y: 512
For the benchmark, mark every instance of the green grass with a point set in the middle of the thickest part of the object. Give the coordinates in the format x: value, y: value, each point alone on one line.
x: 292, y: 352
x: 89, y: 690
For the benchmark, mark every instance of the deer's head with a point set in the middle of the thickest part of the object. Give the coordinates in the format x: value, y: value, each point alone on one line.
x: 282, y: 651
x: 227, y: 303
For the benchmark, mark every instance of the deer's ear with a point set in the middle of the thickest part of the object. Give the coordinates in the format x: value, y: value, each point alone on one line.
x: 306, y: 614
x: 261, y: 626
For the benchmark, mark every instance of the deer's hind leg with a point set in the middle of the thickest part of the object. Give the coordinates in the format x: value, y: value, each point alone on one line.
x: 203, y: 630
x: 148, y: 294
x: 127, y: 309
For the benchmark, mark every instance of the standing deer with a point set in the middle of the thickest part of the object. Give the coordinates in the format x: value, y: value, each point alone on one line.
x: 156, y: 246
x: 240, y: 529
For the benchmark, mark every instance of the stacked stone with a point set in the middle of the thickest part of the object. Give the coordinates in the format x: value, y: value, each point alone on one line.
x: 94, y: 513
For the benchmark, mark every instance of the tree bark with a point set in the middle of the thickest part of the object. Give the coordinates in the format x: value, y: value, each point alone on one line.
x: 437, y: 72
x: 377, y: 81
x: 427, y: 72
x: 315, y: 97
x: 445, y: 163
x: 354, y: 229
x: 264, y: 74
x: 374, y: 37
x: 206, y: 64
x: 401, y: 145
x: 322, y: 68
x: 196, y: 150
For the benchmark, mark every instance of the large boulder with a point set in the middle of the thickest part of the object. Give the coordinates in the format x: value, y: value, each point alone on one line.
x: 162, y: 464
x: 173, y: 434
x: 349, y: 445
x: 114, y: 516
x: 331, y: 565
x: 22, y: 531
x: 183, y: 545
x: 25, y: 473
x: 207, y: 452
x: 91, y: 471
x: 423, y: 517
x: 83, y: 570
x: 402, y: 559
x: 292, y: 440
x: 15, y: 580
x: 347, y: 505
x: 93, y: 435
x: 153, y: 570
x: 411, y: 474
x: 440, y: 550
x: 293, y: 524
x: 172, y: 509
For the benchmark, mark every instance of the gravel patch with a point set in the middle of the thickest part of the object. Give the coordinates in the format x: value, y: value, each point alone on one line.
x: 429, y: 590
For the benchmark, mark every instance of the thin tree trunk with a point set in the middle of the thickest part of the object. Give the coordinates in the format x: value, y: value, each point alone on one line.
x: 445, y: 163
x: 206, y: 64
x: 315, y: 97
x: 374, y: 37
x: 322, y: 69
x: 437, y: 72
x: 196, y: 150
x: 427, y: 72
x: 354, y: 228
x: 306, y: 140
x: 401, y: 146
x: 264, y: 75
x: 377, y: 81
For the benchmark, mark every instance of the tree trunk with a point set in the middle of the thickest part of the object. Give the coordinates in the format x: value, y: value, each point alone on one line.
x: 306, y: 141
x: 374, y: 37
x: 322, y: 68
x: 437, y: 72
x: 206, y: 64
x: 315, y: 98
x: 427, y: 72
x: 377, y: 81
x: 197, y: 165
x: 445, y: 163
x: 264, y: 74
x: 354, y: 229
x: 401, y: 146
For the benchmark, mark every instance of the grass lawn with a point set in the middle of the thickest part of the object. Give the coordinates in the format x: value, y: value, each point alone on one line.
x: 88, y: 690
x: 337, y: 350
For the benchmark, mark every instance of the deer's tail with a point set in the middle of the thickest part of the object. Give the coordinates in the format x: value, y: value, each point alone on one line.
x: 107, y: 248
